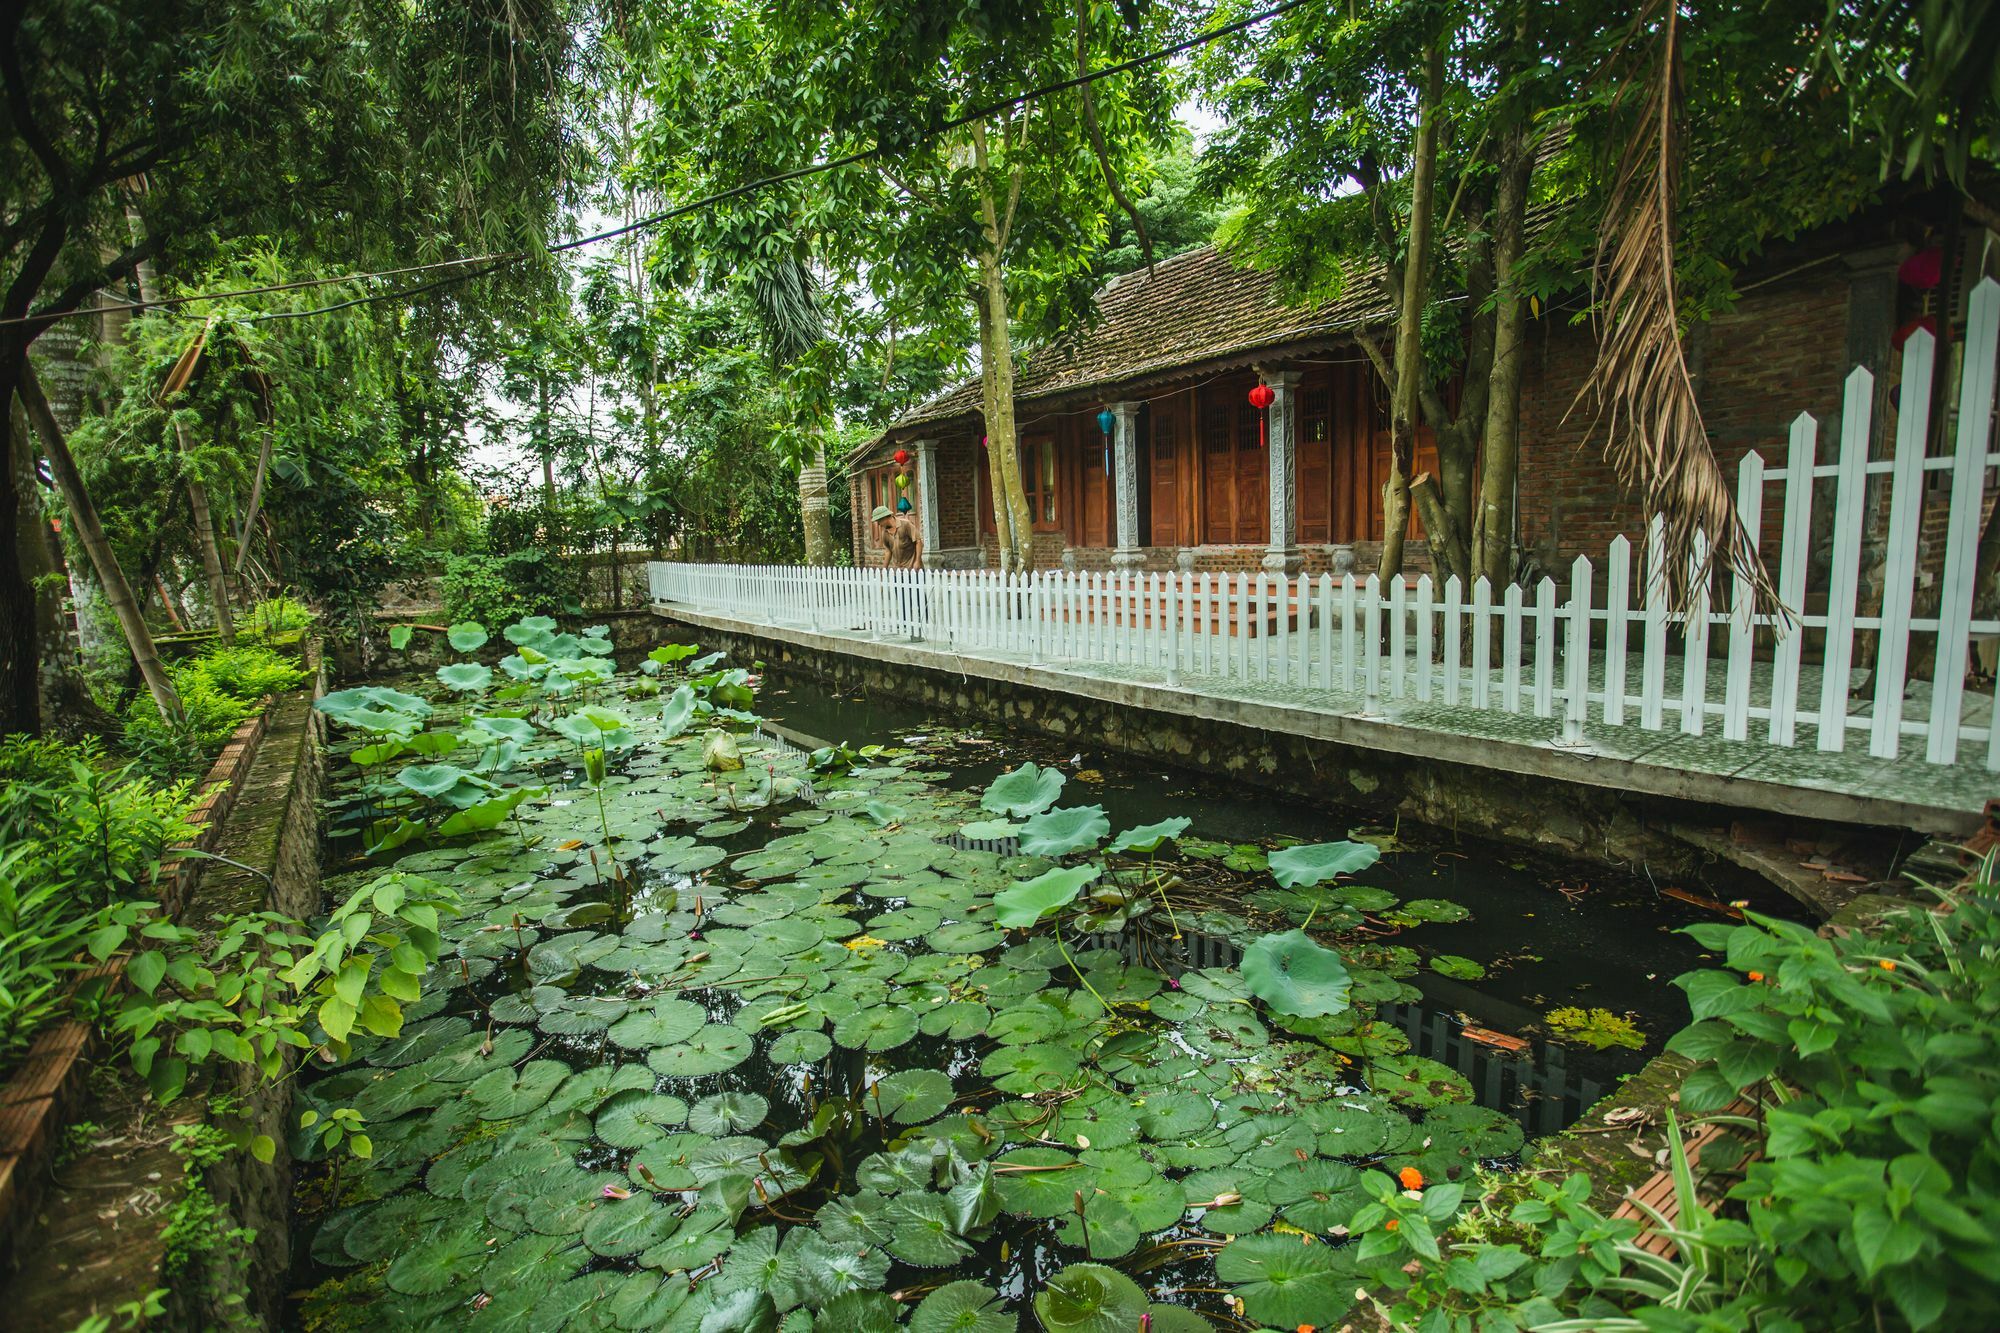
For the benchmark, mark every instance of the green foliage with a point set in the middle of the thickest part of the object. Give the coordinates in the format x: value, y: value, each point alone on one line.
x: 78, y: 836
x: 218, y: 688
x: 1870, y: 1198
x: 1598, y: 1028
x: 260, y: 987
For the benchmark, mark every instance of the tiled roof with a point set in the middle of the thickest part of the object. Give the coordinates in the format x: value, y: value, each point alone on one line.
x: 1194, y: 307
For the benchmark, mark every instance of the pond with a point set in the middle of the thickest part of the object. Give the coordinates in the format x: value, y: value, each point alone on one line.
x: 737, y: 1048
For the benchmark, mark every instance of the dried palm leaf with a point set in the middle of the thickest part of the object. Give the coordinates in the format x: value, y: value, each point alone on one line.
x: 1644, y: 396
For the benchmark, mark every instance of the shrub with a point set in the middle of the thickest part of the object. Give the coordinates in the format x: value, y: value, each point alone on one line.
x: 1874, y: 1198
x: 277, y: 619
x: 77, y: 836
x: 501, y: 589
x: 218, y: 690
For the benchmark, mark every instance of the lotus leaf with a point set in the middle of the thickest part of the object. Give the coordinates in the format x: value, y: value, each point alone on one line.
x: 701, y: 1238
x: 911, y: 1096
x: 963, y: 1307
x: 503, y: 1094
x: 664, y: 1024
x: 466, y: 676
x: 1415, y: 1080
x: 1456, y: 966
x: 1090, y: 1298
x: 711, y: 1050
x: 472, y: 1056
x: 800, y: 1047
x: 1060, y: 832
x: 1302, y: 867
x: 880, y: 1028
x: 989, y: 830
x: 433, y: 1265
x: 1040, y: 1182
x: 1148, y: 837
x: 1295, y: 975
x: 1027, y: 790
x: 1432, y: 909
x: 620, y: 1228
x: 959, y: 1020
x: 1028, y: 901
x: 633, y: 1119
x: 727, y: 1113
x: 1284, y: 1283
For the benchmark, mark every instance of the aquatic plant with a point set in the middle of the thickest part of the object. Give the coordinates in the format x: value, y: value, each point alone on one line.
x: 1597, y: 1028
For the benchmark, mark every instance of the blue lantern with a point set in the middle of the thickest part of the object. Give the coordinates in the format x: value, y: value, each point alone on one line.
x: 1105, y: 421
x: 903, y: 505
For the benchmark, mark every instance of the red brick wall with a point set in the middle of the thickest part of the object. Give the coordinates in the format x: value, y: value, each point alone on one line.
x: 1782, y: 350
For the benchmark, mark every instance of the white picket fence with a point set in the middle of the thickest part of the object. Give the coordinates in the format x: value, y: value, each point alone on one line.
x: 1609, y: 650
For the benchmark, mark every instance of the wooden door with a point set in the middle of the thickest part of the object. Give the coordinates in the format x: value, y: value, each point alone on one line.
x: 1315, y: 456
x: 1252, y: 477
x: 1094, y: 523
x: 1163, y: 469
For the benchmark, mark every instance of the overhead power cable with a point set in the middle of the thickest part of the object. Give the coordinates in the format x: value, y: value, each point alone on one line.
x: 478, y: 266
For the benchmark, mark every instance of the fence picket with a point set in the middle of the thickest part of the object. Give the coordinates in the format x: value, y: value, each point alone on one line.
x: 1422, y: 665
x: 1545, y: 648
x: 1576, y: 651
x: 1617, y: 621
x: 1371, y: 641
x: 1844, y: 580
x: 1694, y: 642
x: 1742, y: 603
x: 1482, y: 641
x: 1793, y: 557
x: 1347, y: 632
x: 1510, y: 650
x: 1326, y: 631
x: 1968, y: 484
x: 1653, y: 673
x: 1396, y: 645
x: 1453, y: 635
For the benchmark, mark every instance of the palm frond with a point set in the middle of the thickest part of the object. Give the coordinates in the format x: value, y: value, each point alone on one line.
x: 1643, y: 393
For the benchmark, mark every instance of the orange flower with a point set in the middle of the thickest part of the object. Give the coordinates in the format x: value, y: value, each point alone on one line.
x: 1888, y: 965
x: 1389, y: 1225
x: 1756, y: 976
x: 1412, y: 1178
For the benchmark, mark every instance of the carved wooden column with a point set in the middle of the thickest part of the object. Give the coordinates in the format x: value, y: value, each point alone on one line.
x: 927, y: 501
x: 1125, y: 485
x: 1283, y: 556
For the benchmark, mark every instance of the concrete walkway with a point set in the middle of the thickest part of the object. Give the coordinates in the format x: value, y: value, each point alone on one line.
x: 1849, y: 787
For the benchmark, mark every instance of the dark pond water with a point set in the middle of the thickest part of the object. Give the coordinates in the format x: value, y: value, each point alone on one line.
x: 603, y: 1053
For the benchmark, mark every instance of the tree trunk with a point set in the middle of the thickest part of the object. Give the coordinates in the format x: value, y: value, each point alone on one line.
x: 1500, y: 460
x: 90, y: 535
x: 996, y: 359
x: 211, y: 558
x: 813, y: 506
x: 1410, y: 322
x: 1449, y: 558
x: 256, y: 508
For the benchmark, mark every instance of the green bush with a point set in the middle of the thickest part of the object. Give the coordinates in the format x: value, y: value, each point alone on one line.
x: 501, y: 589
x: 1874, y: 1199
x: 277, y: 619
x: 76, y: 835
x: 218, y: 690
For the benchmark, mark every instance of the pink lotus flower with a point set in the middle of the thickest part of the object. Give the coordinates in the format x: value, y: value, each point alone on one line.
x: 614, y: 1192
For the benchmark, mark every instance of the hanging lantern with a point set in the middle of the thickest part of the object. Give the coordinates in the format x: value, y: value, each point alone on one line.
x: 1922, y: 270
x: 982, y: 444
x: 902, y: 457
x: 1928, y: 323
x: 1105, y: 421
x: 902, y: 481
x: 1261, y: 397
x: 903, y: 505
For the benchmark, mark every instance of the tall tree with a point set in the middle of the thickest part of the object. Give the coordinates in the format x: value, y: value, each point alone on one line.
x: 204, y: 101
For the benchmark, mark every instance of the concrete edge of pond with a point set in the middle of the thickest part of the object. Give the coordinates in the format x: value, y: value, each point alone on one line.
x: 96, y: 1234
x: 1602, y: 809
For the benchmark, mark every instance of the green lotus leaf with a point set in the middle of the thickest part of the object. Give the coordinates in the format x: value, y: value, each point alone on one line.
x: 1295, y: 975
x: 1283, y: 1283
x: 1416, y: 1080
x: 801, y: 1046
x: 471, y: 1056
x: 1028, y: 901
x: 432, y: 780
x: 1090, y: 1298
x: 667, y: 1022
x: 1302, y: 867
x: 711, y: 1050
x: 1458, y: 967
x: 988, y: 830
x: 531, y: 1258
x: 880, y: 1028
x: 963, y: 1307
x: 1471, y: 1133
x: 921, y: 1232
x: 1060, y: 832
x: 959, y: 1020
x: 1028, y: 790
x: 1027, y: 1070
x: 1043, y: 1182
x: 467, y: 636
x: 677, y: 713
x: 465, y: 676
x: 1432, y: 909
x: 621, y: 1228
x: 964, y: 937
x: 635, y: 1118
x: 911, y: 1096
x: 434, y: 1265
x: 1314, y: 1196
x: 1148, y: 837
x: 400, y: 635
x: 503, y: 1094
x: 727, y: 1113
x: 1177, y: 1319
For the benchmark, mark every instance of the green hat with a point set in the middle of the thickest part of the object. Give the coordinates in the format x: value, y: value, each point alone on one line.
x: 881, y: 513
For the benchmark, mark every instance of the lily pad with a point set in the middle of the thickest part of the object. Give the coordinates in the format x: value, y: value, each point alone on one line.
x: 963, y: 1307
x: 1073, y: 828
x: 1283, y: 1283
x: 727, y: 1113
x: 1027, y: 790
x: 1315, y: 863
x: 1028, y: 901
x: 1295, y: 975
x: 713, y: 1049
x: 911, y: 1096
x: 1090, y: 1298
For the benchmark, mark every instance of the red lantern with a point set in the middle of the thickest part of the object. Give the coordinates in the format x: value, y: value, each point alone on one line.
x: 1922, y: 270
x: 1262, y: 396
x: 1928, y: 323
x: 901, y: 456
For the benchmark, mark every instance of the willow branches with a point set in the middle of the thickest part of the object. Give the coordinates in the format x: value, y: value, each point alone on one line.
x: 1643, y: 393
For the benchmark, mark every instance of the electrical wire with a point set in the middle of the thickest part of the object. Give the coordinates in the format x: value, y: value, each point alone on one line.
x: 494, y: 262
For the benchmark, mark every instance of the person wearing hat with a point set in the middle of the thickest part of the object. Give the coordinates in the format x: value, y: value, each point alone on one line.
x: 899, y: 537
x: 904, y: 546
